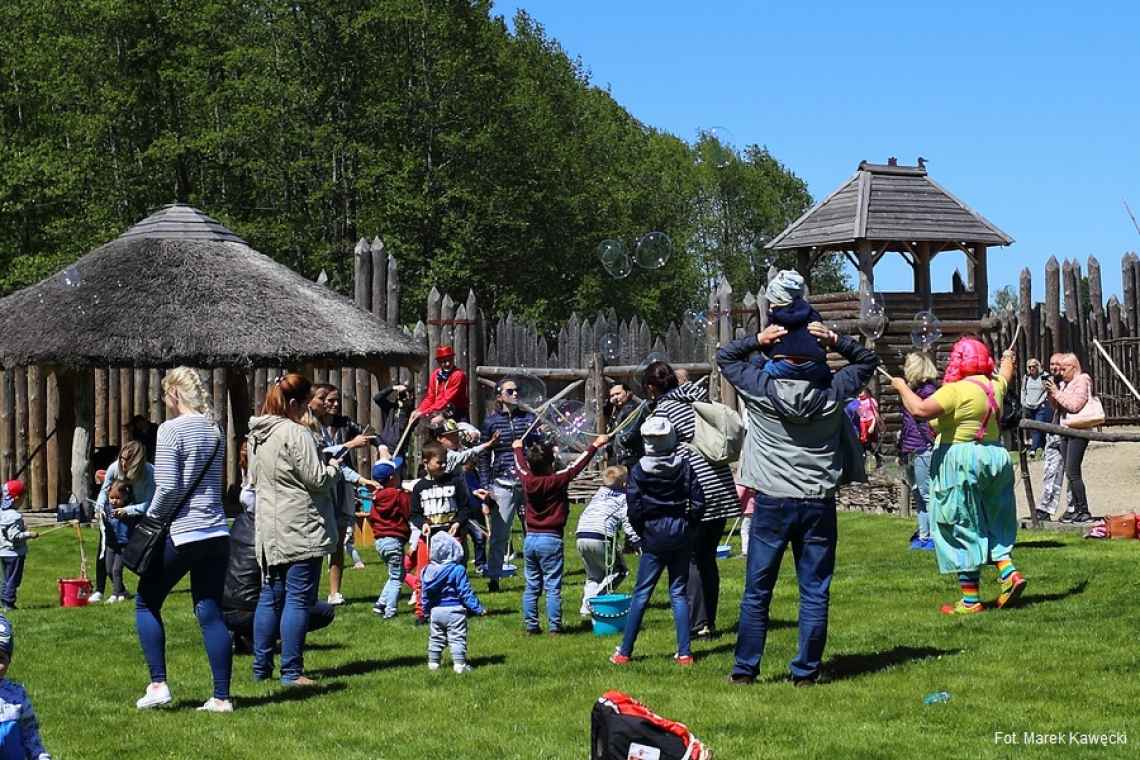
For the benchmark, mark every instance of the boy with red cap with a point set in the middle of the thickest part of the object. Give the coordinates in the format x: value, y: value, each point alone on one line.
x: 13, y: 541
x: 447, y: 389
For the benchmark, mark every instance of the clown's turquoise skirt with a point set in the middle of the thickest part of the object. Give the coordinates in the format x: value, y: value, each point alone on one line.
x: 973, y: 514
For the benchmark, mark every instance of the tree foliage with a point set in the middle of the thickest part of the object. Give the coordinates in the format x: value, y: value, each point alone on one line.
x: 482, y: 156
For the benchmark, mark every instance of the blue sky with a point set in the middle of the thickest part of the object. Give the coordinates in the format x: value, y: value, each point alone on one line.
x: 1029, y: 113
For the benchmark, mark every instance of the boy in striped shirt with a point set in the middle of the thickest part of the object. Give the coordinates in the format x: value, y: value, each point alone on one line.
x: 597, y: 536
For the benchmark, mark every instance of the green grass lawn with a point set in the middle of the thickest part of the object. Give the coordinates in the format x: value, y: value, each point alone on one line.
x: 1065, y: 660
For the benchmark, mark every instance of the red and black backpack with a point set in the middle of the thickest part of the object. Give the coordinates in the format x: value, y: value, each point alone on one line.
x: 621, y: 728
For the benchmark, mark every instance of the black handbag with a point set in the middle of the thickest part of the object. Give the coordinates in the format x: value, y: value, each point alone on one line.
x: 145, y: 545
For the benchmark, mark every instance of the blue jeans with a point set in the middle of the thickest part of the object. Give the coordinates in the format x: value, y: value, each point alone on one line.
x: 918, y: 472
x: 1043, y: 413
x: 544, y: 565
x: 649, y: 569
x: 507, y: 501
x: 206, y: 561
x: 287, y: 594
x: 809, y: 526
x: 13, y: 575
x: 391, y: 551
x: 478, y: 536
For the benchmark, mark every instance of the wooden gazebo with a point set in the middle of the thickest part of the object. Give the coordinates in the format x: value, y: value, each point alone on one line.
x: 887, y: 208
x: 178, y: 288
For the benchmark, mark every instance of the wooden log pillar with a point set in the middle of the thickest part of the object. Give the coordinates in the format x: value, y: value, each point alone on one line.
x: 126, y: 399
x: 1025, y: 315
x: 36, y: 474
x: 803, y: 265
x: 100, y: 407
x: 981, y: 278
x: 865, y: 257
x: 712, y: 331
x: 7, y: 425
x: 922, y: 283
x: 156, y: 407
x: 434, y: 309
x: 475, y: 349
x: 114, y: 391
x: 1115, y: 321
x: 77, y: 426
x: 1096, y: 300
x: 725, y: 335
x: 362, y: 296
x: 53, y: 459
x: 1053, y: 305
x: 379, y: 308
x: 595, y: 392
x: 1128, y: 285
x: 20, y: 381
x: 141, y: 381
x: 219, y: 381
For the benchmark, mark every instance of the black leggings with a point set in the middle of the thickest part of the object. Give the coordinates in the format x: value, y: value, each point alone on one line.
x: 1073, y: 451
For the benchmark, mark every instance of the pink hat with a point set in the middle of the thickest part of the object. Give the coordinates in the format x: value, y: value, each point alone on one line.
x: 968, y: 357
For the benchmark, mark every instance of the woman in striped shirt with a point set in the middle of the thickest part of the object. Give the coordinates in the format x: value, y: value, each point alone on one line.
x: 190, y: 450
x: 675, y: 402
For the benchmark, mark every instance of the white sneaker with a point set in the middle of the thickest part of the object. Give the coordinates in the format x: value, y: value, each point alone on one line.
x: 215, y: 705
x: 114, y: 599
x: 156, y: 694
x: 461, y: 669
x: 95, y: 598
x: 336, y: 599
x: 433, y: 666
x: 358, y: 566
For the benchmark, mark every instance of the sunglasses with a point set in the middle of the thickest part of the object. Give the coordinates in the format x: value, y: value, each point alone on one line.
x: 511, y: 391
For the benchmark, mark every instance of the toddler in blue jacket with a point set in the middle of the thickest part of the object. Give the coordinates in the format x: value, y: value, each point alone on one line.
x: 447, y: 598
x: 19, y: 729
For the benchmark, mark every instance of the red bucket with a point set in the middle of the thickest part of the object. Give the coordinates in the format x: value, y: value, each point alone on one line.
x: 73, y: 592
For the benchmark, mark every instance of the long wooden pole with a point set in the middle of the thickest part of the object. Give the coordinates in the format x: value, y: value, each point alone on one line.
x: 545, y: 405
x: 1088, y: 435
x: 1112, y: 364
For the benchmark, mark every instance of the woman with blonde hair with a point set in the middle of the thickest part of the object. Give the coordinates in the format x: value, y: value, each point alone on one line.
x: 916, y: 444
x: 189, y: 462
x: 1070, y: 397
x: 971, y: 485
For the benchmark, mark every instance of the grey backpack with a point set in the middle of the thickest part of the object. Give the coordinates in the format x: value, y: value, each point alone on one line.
x: 719, y: 433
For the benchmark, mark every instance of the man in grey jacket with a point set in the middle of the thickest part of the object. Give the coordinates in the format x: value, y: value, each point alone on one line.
x: 794, y: 459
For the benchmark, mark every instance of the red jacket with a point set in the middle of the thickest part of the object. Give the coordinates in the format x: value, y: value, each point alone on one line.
x: 391, y: 514
x: 453, y: 392
x: 546, y: 497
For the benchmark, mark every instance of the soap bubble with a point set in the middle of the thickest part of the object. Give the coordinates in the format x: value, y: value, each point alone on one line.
x: 615, y: 260
x: 651, y: 357
x: 609, y: 347
x: 698, y: 320
x: 71, y: 278
x: 653, y: 250
x: 323, y: 278
x: 927, y: 330
x: 716, y: 146
x: 570, y: 423
x: 873, y: 318
x: 532, y: 390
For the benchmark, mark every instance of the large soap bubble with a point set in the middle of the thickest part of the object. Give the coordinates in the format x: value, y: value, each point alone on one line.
x: 571, y: 424
x: 872, y: 318
x: 615, y: 259
x: 653, y: 250
x: 532, y: 390
x: 609, y: 346
x: 927, y: 330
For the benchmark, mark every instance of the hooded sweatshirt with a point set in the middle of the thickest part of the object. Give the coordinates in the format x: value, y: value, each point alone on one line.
x: 445, y: 582
x: 664, y: 499
x: 295, y: 519
x: 13, y: 535
x: 391, y: 514
x: 794, y: 448
x: 546, y: 496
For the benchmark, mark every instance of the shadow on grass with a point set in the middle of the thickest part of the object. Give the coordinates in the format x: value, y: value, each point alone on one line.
x: 363, y: 667
x: 1028, y: 600
x: 318, y: 647
x: 846, y: 666
x: 482, y: 662
x: 1043, y: 544
x: 280, y: 695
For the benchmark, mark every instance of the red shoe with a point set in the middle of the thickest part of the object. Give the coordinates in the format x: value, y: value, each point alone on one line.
x: 684, y: 660
x: 1016, y: 586
x: 617, y: 658
x: 961, y: 608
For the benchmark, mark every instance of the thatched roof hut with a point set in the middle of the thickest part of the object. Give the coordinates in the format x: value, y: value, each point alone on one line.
x: 179, y: 288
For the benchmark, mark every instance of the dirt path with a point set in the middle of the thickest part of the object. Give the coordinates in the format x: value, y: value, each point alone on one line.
x: 1112, y: 478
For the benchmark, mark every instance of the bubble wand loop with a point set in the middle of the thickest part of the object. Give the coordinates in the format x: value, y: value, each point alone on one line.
x: 1016, y: 335
x: 404, y: 436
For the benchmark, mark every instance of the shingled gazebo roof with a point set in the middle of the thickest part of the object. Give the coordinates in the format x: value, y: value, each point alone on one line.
x: 180, y: 288
x: 885, y: 202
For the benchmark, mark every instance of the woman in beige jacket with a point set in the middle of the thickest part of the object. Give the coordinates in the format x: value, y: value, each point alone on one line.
x: 294, y: 527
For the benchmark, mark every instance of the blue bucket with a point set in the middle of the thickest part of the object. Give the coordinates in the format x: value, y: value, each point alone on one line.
x: 364, y: 497
x: 609, y: 612
x: 723, y: 551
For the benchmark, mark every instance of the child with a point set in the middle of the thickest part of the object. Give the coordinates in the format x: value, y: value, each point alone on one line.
x: 389, y: 518
x: 665, y: 502
x: 439, y: 505
x: 448, y: 597
x: 116, y: 514
x: 13, y: 541
x: 19, y: 729
x: 869, y: 424
x: 547, y: 507
x: 597, y: 535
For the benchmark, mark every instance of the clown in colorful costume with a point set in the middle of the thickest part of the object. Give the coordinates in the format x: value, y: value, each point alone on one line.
x: 972, y: 505
x: 447, y: 389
